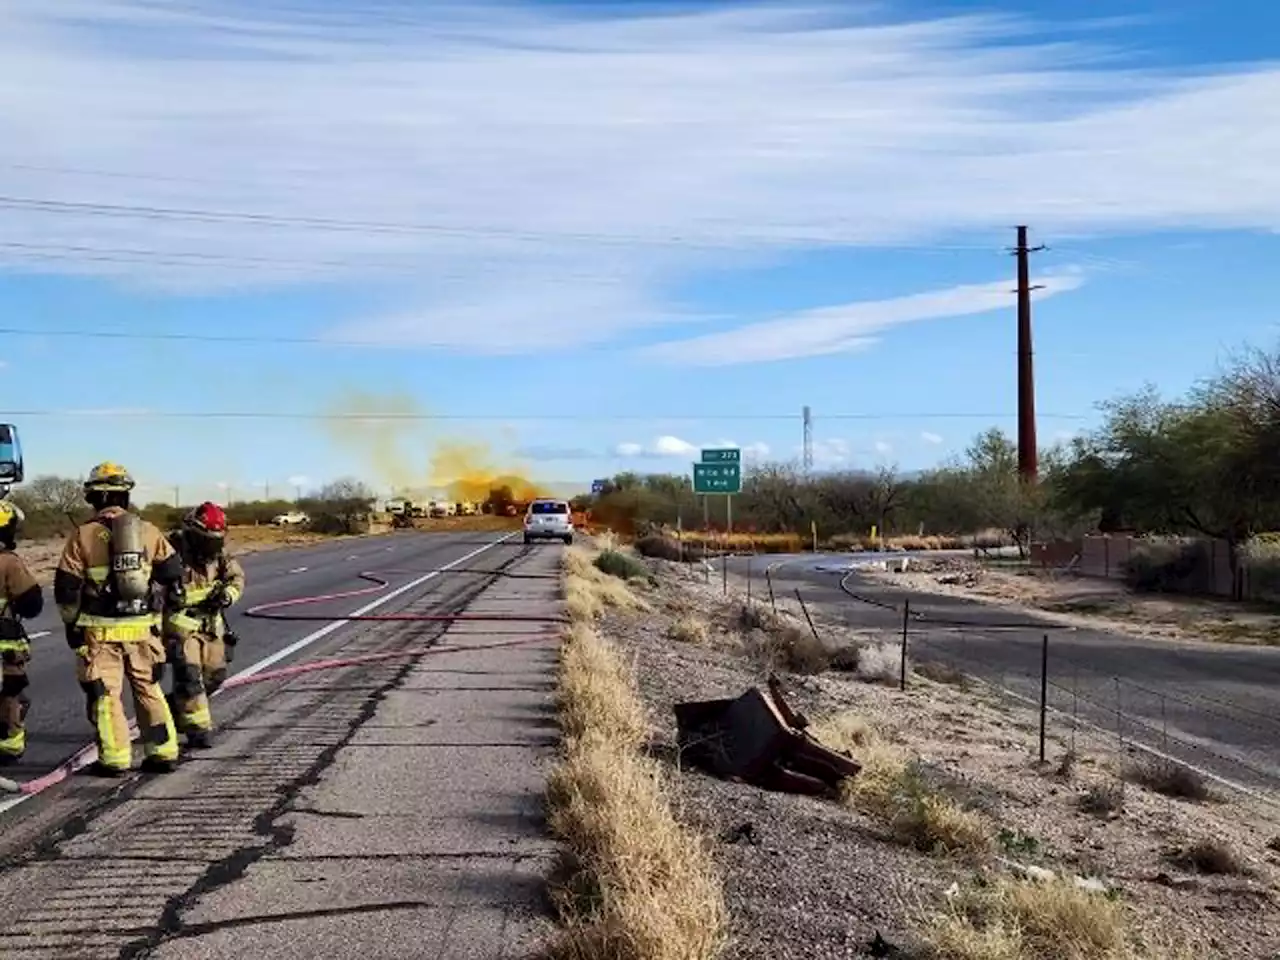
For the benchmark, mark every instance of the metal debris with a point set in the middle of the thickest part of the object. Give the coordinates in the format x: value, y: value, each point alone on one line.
x: 758, y: 739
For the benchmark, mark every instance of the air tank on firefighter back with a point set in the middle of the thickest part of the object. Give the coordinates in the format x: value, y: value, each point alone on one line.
x: 128, y: 562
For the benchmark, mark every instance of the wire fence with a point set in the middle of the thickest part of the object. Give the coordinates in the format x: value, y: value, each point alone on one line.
x: 1180, y: 742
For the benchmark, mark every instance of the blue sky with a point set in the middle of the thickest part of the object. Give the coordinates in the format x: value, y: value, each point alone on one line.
x: 595, y: 237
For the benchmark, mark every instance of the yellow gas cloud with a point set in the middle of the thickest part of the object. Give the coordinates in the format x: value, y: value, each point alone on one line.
x: 380, y: 432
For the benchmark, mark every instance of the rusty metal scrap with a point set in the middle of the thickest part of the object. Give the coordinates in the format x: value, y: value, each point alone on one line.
x: 757, y: 738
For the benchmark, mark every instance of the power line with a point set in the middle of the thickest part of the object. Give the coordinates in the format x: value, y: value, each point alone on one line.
x: 139, y: 211
x: 452, y: 417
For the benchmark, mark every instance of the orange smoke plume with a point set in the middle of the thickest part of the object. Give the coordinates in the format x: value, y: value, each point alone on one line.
x: 402, y: 453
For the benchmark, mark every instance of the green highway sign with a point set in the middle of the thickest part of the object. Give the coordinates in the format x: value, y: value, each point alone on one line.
x: 721, y: 455
x: 717, y: 477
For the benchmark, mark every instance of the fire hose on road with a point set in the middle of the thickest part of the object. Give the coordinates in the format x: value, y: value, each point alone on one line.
x: 285, y: 610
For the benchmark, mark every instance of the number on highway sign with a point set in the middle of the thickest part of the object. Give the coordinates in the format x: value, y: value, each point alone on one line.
x: 721, y: 455
x: 717, y: 478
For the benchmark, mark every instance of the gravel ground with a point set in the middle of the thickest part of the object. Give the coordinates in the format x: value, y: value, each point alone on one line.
x: 808, y: 879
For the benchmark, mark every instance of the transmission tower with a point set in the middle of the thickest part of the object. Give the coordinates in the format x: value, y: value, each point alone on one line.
x: 808, y: 441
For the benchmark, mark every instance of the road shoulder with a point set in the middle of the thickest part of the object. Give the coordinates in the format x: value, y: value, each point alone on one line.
x: 377, y: 811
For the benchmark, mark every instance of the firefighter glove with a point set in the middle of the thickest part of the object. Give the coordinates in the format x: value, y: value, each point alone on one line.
x: 75, y: 637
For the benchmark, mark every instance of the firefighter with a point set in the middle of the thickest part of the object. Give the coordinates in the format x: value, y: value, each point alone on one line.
x: 20, y: 598
x: 116, y: 574
x: 200, y: 644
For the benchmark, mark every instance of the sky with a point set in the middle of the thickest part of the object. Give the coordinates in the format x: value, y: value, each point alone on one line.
x: 586, y: 238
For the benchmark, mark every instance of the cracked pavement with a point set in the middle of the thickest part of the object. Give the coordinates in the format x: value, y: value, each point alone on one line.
x: 391, y: 810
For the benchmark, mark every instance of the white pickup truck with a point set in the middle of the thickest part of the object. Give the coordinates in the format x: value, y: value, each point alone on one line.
x: 294, y: 518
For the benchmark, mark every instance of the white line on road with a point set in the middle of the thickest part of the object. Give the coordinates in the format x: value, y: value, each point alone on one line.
x: 89, y: 755
x: 299, y: 569
x: 354, y: 556
x: 337, y: 624
x: 38, y: 634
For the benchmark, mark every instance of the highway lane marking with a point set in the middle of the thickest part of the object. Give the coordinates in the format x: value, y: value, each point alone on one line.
x: 38, y: 634
x: 89, y: 754
x: 299, y: 569
x: 329, y: 628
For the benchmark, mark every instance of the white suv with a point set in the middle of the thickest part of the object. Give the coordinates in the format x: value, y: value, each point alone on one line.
x: 548, y: 520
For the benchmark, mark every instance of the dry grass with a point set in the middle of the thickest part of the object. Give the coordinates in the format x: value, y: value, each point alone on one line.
x: 688, y: 628
x: 589, y: 590
x: 699, y: 542
x: 595, y: 692
x: 891, y: 789
x: 779, y: 642
x: 845, y: 732
x: 880, y: 663
x: 1169, y: 779
x: 634, y: 883
x: 1211, y: 857
x: 1009, y: 919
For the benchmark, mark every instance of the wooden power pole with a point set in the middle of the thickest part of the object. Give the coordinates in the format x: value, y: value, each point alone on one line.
x: 1028, y: 460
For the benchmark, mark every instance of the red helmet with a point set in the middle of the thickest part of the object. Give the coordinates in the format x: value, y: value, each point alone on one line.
x: 208, y: 520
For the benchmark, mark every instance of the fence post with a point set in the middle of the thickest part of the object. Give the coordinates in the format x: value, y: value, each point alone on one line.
x: 724, y: 571
x: 749, y: 558
x: 906, y: 617
x: 768, y: 579
x: 1044, y: 690
x: 805, y: 609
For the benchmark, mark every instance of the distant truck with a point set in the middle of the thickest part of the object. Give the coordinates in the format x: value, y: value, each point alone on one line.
x: 443, y: 508
x: 293, y: 518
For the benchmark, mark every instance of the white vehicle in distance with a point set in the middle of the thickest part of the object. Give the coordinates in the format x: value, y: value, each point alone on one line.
x: 292, y: 519
x: 548, y: 520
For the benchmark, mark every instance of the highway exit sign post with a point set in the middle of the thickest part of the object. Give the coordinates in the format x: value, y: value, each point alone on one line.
x: 720, y: 472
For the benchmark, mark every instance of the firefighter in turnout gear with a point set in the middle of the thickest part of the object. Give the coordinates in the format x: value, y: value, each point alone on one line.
x: 20, y: 598
x: 199, y: 642
x: 116, y: 575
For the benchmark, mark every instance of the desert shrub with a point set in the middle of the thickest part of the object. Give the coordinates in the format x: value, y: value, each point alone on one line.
x: 1169, y: 566
x: 620, y: 565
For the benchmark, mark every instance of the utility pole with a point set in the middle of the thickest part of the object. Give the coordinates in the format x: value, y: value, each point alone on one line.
x: 1028, y: 460
x: 807, y: 448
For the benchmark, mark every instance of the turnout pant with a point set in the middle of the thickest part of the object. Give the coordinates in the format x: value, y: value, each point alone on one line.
x: 199, y: 667
x: 103, y: 670
x: 13, y: 700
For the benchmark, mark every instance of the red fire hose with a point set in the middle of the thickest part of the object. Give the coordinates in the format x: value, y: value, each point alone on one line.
x: 379, y: 581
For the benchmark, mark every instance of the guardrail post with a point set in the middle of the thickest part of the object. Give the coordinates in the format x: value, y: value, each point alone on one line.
x: 768, y: 579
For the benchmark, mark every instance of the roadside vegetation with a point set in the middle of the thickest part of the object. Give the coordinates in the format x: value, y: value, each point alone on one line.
x: 634, y: 884
x: 1197, y: 466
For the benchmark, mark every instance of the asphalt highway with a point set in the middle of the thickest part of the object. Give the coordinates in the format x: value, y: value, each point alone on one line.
x: 57, y: 726
x: 1210, y: 704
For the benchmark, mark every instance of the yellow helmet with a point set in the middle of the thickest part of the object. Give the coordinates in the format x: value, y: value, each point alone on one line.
x: 9, y: 513
x: 109, y: 476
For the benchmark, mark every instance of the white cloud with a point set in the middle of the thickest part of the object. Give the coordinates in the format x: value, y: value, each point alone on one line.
x: 668, y: 446
x: 561, y: 176
x: 883, y: 447
x: 831, y: 453
x: 930, y: 437
x: 673, y: 447
x: 846, y: 327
